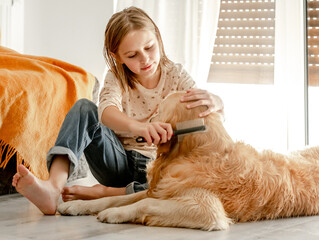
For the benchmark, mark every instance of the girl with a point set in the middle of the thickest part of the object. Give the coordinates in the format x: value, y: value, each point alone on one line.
x: 140, y: 77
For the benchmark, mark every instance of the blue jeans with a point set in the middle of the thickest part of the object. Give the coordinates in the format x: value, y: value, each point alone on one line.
x: 109, y: 162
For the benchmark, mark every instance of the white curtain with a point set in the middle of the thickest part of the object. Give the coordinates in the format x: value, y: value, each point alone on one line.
x: 188, y: 29
x: 290, y: 70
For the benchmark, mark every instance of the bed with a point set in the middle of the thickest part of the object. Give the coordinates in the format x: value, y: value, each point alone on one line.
x: 36, y: 93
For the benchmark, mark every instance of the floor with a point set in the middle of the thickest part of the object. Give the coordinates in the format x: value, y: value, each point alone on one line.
x: 20, y: 219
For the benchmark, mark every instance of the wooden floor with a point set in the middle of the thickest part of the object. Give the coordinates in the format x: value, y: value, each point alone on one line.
x: 20, y: 219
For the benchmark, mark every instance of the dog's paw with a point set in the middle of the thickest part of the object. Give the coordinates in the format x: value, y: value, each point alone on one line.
x: 222, y: 223
x: 114, y: 215
x: 74, y: 208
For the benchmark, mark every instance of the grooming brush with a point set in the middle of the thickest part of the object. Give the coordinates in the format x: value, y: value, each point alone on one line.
x: 184, y: 128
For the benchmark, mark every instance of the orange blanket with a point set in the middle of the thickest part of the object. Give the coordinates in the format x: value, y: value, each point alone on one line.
x: 35, y: 95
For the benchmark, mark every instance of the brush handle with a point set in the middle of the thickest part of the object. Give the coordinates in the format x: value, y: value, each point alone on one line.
x: 142, y: 140
x: 178, y: 132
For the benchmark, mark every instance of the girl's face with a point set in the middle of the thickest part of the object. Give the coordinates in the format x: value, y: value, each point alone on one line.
x: 139, y: 51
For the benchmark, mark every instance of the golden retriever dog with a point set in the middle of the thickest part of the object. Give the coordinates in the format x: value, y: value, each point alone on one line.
x: 207, y: 181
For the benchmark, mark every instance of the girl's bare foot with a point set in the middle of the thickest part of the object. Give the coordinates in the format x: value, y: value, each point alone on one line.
x: 87, y: 193
x: 41, y: 193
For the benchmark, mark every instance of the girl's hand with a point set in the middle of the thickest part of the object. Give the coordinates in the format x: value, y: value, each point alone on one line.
x: 154, y: 132
x: 202, y: 97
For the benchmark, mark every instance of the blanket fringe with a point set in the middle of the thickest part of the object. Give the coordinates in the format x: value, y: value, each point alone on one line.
x: 7, y: 152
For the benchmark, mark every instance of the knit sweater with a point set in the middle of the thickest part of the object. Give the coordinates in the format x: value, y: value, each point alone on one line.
x: 141, y: 103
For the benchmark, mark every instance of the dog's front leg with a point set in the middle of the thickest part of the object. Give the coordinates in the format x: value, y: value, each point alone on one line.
x: 196, y: 209
x: 91, y: 207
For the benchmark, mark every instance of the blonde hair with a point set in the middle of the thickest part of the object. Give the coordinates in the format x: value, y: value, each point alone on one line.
x: 120, y: 24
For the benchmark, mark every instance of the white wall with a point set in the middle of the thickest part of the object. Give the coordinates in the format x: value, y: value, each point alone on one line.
x: 69, y: 30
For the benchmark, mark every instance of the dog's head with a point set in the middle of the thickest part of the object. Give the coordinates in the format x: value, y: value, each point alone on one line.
x: 172, y: 110
x: 214, y: 140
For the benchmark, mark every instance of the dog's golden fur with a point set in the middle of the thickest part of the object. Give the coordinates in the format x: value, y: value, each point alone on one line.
x: 208, y: 181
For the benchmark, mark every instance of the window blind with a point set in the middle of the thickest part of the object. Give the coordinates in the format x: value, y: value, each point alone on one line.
x: 244, y: 45
x: 313, y: 42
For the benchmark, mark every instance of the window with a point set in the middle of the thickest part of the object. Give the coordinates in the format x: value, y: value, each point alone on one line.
x: 258, y: 69
x: 244, y: 45
x: 313, y: 69
x: 313, y: 41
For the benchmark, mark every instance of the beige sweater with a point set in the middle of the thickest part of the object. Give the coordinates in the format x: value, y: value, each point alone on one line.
x: 142, y: 103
